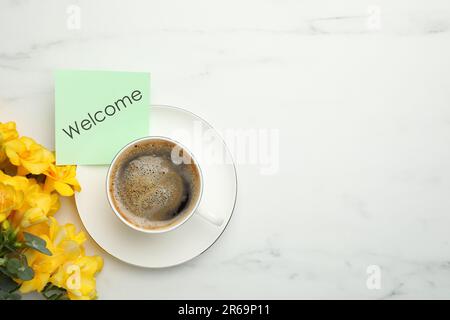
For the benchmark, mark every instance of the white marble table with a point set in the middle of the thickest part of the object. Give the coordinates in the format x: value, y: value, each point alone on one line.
x: 359, y: 94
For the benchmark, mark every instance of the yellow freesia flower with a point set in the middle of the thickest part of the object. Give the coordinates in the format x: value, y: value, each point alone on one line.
x: 42, y: 205
x: 62, y: 179
x: 54, y: 204
x: 39, y: 228
x: 28, y: 205
x: 42, y: 265
x: 65, y: 245
x: 19, y: 183
x: 33, y: 216
x: 36, y: 284
x: 36, y: 206
x: 78, y: 277
x: 10, y: 199
x: 62, y: 242
x: 28, y: 156
x: 7, y: 132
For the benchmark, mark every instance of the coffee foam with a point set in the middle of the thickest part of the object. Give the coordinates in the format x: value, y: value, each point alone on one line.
x: 149, y: 190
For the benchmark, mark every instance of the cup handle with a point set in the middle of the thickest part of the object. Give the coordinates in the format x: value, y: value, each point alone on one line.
x: 217, y: 221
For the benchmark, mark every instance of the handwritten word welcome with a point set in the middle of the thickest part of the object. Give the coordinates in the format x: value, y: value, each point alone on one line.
x: 99, y: 116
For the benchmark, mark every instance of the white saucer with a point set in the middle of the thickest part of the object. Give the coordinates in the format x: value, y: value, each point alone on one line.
x: 194, y: 236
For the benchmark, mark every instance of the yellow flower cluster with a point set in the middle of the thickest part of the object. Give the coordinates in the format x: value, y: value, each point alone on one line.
x: 68, y: 259
x: 30, y: 185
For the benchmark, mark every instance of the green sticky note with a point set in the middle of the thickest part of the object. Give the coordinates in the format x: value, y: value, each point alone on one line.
x: 97, y: 113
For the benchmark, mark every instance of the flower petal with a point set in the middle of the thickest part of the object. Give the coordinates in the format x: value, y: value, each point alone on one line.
x: 63, y: 189
x: 35, y: 167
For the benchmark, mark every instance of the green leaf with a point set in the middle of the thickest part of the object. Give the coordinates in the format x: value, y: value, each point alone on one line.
x: 5, y: 272
x: 11, y: 236
x: 25, y: 273
x: 36, y: 243
x: 7, y: 240
x: 19, y: 268
x: 10, y: 247
x: 4, y: 295
x: 7, y: 284
x: 52, y: 292
x: 13, y: 265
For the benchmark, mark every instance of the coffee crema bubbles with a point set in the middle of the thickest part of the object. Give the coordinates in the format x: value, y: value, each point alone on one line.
x: 148, y: 189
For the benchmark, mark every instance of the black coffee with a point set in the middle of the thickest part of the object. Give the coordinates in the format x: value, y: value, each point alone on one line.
x: 151, y: 191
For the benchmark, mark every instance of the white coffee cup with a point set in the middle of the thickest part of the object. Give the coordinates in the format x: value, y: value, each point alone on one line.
x: 216, y: 221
